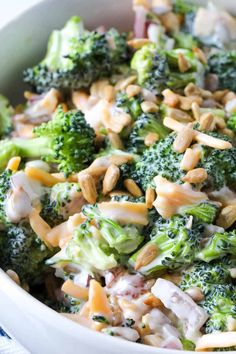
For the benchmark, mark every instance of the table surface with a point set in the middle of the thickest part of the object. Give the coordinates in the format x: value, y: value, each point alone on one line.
x: 12, y: 8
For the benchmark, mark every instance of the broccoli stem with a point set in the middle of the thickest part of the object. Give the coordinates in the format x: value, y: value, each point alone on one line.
x: 32, y: 148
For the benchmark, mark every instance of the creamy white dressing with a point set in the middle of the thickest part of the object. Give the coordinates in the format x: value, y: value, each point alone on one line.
x: 189, y: 313
x: 124, y: 332
x: 127, y: 285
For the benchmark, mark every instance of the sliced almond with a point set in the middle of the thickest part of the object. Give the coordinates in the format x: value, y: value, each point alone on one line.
x: 228, y: 97
x: 132, y: 187
x: 14, y: 276
x: 109, y: 93
x: 111, y: 178
x: 193, y: 90
x: 218, y: 95
x: 183, y: 64
x: 150, y: 196
x: 183, y: 139
x: 190, y: 159
x: 179, y: 115
x: 227, y: 216
x: 227, y: 132
x: 88, y: 187
x: 219, y: 122
x: 148, y: 253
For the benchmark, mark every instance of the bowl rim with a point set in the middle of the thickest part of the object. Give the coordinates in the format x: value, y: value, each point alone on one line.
x: 14, y: 291
x: 80, y: 332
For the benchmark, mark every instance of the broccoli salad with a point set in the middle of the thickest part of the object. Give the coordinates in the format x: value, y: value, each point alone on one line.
x: 118, y: 177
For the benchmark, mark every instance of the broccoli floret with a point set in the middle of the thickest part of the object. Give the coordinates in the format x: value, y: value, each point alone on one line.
x: 205, y: 211
x: 87, y: 250
x: 160, y: 159
x: 23, y: 252
x: 60, y: 202
x: 184, y: 7
x: 205, y: 275
x: 221, y: 307
x: 145, y: 124
x: 219, y: 245
x: 219, y: 292
x: 124, y: 239
x: 75, y: 58
x: 184, y: 40
x: 6, y: 112
x: 176, y: 244
x: 158, y: 70
x: 220, y: 166
x: 70, y: 305
x: 66, y: 140
x: 131, y: 105
x: 223, y: 64
x: 5, y: 185
x: 231, y: 123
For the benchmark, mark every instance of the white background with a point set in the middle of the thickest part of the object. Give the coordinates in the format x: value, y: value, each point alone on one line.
x: 12, y: 8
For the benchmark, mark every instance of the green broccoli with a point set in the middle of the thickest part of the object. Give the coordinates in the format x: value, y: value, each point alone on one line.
x: 75, y: 58
x: 130, y: 105
x: 145, y: 124
x: 176, y: 244
x: 220, y: 166
x: 158, y: 70
x: 7, y: 150
x: 159, y: 159
x: 5, y: 186
x: 223, y: 64
x: 6, y: 112
x: 205, y: 275
x: 184, y: 7
x: 66, y: 140
x: 215, y: 282
x: 87, y: 250
x: 219, y: 245
x: 231, y: 122
x: 205, y: 211
x: 22, y: 251
x: 221, y: 307
x: 184, y: 40
x: 124, y: 239
x: 60, y: 202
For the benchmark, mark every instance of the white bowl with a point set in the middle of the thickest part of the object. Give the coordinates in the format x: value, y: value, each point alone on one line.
x: 40, y: 329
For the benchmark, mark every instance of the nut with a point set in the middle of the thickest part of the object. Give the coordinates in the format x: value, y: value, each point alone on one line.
x: 179, y: 115
x: 228, y: 97
x: 132, y: 187
x: 190, y: 159
x: 133, y: 90
x: 227, y: 216
x: 138, y: 43
x: 198, y: 175
x: 183, y: 64
x: 88, y: 187
x: 170, y: 98
x: 200, y: 55
x: 219, y: 122
x: 111, y: 178
x: 146, y: 255
x: 123, y: 83
x: 14, y: 276
x: 186, y: 102
x: 196, y: 110
x: 183, y: 139
x: 206, y: 121
x: 218, y: 95
x: 149, y: 107
x: 150, y: 139
x: 150, y: 196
